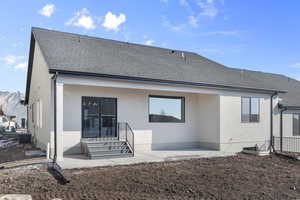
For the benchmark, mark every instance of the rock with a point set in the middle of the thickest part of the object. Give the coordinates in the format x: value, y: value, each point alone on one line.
x: 35, y: 153
x: 293, y: 188
x: 15, y: 197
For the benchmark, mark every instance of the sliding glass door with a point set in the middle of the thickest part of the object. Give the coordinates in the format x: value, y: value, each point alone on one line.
x: 99, y: 117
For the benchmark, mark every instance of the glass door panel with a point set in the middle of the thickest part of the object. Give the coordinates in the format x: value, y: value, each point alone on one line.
x: 108, y: 110
x: 90, y: 116
x: 99, y: 117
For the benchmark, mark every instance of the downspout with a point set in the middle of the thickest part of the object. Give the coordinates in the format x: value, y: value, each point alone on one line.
x: 55, y: 169
x: 281, y: 127
x: 271, y: 121
x: 26, y: 124
x: 54, y: 115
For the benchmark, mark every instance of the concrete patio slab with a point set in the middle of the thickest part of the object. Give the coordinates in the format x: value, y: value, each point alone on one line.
x: 81, y: 161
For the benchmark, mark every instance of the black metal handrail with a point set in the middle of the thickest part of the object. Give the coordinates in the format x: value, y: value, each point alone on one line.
x: 126, y: 133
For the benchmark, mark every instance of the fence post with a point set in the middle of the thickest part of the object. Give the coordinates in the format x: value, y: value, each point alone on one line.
x: 133, y: 143
x: 126, y: 131
x: 118, y: 131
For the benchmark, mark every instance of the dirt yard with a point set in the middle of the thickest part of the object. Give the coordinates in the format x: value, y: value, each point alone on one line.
x: 238, y: 177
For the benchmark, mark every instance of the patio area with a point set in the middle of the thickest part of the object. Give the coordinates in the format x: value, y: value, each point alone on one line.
x: 81, y: 161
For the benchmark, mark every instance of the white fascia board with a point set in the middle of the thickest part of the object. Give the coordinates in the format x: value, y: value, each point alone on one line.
x: 132, y: 85
x: 148, y: 86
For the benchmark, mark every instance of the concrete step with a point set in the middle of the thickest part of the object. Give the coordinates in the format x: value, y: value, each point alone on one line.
x: 104, y: 142
x: 114, y: 144
x: 98, y: 149
x: 108, y: 156
x: 107, y: 148
x: 99, y: 139
x: 103, y: 152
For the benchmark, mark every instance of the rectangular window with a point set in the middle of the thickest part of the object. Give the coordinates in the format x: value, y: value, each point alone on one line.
x: 166, y: 109
x: 245, y: 109
x: 32, y: 113
x: 250, y: 109
x: 40, y: 114
x: 296, y: 124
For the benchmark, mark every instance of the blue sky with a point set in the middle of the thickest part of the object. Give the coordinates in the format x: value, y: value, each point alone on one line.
x: 251, y: 34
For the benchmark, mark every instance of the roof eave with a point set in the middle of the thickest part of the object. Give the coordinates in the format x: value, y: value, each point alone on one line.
x: 29, y: 71
x: 287, y: 107
x: 149, y: 80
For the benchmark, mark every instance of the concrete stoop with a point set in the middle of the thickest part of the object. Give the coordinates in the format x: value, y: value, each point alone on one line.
x: 105, y: 149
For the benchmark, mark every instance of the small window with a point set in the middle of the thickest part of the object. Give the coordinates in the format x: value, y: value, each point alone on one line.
x: 166, y: 109
x: 40, y: 114
x: 32, y: 113
x: 250, y: 109
x: 296, y: 124
x: 4, y: 120
x: 37, y: 114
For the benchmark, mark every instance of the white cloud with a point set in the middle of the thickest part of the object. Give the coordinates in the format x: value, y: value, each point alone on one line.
x: 212, y: 51
x: 208, y: 8
x: 296, y: 65
x: 10, y: 59
x: 47, y: 10
x: 82, y: 19
x: 164, y: 44
x: 183, y: 3
x: 21, y: 66
x: 149, y: 42
x: 186, y: 5
x: 222, y: 33
x: 112, y: 22
x: 193, y: 21
x: 86, y: 22
x: 164, y: 1
x: 172, y: 27
x: 16, y: 62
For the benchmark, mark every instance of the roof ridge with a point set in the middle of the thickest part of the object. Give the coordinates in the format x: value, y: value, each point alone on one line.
x: 112, y: 40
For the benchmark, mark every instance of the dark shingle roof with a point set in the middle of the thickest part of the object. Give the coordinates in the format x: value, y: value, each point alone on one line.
x: 283, y: 83
x: 84, y: 54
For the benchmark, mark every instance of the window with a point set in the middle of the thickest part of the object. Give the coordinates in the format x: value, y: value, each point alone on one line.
x: 250, y: 109
x: 296, y: 124
x: 40, y: 114
x: 37, y: 114
x: 4, y: 120
x: 166, y: 109
x: 32, y: 113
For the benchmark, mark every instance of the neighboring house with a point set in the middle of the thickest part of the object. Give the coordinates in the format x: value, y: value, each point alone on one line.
x: 90, y: 89
x: 7, y: 122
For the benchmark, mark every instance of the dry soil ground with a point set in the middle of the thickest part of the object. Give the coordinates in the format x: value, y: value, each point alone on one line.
x: 237, y: 177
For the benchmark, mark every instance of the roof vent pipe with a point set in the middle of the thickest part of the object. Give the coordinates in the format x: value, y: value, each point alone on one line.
x: 182, y: 55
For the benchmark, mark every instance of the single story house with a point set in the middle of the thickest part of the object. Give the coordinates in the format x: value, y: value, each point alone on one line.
x: 110, y: 98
